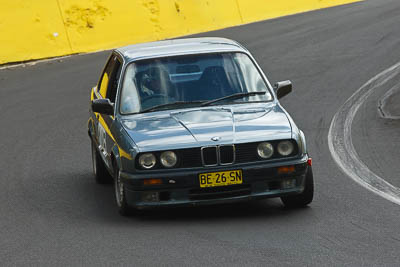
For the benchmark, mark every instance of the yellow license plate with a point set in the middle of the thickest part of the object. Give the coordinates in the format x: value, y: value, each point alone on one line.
x: 220, y: 178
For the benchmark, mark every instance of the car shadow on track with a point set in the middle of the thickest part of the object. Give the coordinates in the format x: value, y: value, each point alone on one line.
x: 269, y: 208
x: 235, y: 211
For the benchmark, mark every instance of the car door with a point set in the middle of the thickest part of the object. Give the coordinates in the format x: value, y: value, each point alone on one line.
x: 106, y: 88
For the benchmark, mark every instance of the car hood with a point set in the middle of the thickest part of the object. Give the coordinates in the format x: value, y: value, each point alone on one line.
x: 207, y: 126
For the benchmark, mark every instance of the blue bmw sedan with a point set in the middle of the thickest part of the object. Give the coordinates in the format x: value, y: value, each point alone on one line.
x: 193, y: 122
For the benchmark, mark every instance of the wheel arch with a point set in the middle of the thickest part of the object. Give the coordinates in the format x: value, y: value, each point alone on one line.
x: 115, y: 158
x: 91, y: 132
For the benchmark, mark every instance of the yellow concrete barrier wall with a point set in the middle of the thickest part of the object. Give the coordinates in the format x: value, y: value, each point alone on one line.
x: 94, y: 25
x: 254, y: 10
x: 32, y: 29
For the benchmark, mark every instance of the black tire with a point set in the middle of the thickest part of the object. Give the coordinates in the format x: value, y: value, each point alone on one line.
x: 123, y: 208
x: 305, y: 198
x: 100, y: 171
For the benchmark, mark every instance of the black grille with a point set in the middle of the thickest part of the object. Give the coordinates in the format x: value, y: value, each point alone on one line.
x: 239, y: 153
x: 189, y: 158
x: 246, y: 152
x: 260, y: 174
x: 209, y: 155
x: 227, y: 154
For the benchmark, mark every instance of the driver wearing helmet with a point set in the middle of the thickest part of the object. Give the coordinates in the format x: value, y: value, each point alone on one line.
x: 150, y: 85
x: 155, y: 82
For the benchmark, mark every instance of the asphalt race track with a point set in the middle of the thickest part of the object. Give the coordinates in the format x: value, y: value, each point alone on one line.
x: 53, y: 213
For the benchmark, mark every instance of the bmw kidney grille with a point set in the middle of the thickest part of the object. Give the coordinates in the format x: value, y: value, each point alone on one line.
x: 218, y: 155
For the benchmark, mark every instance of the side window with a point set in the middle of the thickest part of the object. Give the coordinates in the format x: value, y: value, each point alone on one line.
x: 113, y: 82
x: 109, y: 80
x: 103, y: 84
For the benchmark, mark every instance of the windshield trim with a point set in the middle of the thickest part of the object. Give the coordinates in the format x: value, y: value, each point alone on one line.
x: 258, y: 68
x: 227, y: 106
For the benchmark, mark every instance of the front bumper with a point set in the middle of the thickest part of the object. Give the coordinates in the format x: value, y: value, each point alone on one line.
x: 181, y: 187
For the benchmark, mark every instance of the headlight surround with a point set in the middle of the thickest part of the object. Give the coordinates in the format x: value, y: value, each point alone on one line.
x: 285, y: 148
x: 168, y: 159
x: 265, y: 150
x: 147, y: 160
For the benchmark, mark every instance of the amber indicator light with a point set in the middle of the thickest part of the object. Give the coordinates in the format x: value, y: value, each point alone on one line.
x: 152, y: 181
x: 286, y: 169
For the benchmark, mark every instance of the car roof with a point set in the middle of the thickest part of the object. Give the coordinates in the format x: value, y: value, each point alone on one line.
x: 179, y: 47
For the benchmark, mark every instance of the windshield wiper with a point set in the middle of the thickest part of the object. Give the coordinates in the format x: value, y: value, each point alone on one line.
x: 168, y: 105
x: 232, y: 97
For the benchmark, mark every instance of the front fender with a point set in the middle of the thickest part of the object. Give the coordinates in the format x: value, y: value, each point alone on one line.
x: 125, y: 160
x: 116, y: 157
x: 303, y: 141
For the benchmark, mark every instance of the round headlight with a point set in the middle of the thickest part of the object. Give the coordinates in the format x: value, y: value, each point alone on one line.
x: 265, y: 150
x: 285, y: 148
x: 168, y: 159
x: 147, y: 160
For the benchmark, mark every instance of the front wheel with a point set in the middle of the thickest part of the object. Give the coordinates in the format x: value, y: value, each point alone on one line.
x: 123, y: 207
x: 305, y: 198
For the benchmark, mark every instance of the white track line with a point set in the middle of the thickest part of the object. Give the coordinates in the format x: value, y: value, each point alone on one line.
x: 383, y: 112
x: 33, y: 62
x: 341, y: 145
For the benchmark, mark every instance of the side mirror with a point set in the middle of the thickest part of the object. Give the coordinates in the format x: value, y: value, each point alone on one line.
x: 103, y: 106
x: 283, y: 88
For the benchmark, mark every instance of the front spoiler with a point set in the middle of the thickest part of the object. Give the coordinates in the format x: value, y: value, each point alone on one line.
x: 134, y: 202
x: 260, y: 181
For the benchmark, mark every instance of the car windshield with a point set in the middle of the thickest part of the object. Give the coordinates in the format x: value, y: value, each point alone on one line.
x: 189, y: 80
